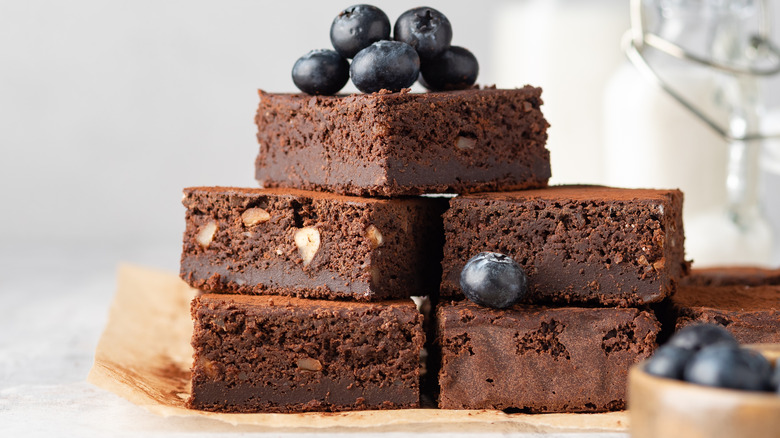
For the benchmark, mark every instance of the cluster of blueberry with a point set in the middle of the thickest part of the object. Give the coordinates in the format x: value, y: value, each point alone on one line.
x: 708, y: 354
x: 420, y: 49
x: 494, y: 280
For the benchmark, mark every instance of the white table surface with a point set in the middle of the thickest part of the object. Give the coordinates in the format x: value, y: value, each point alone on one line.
x: 55, y: 302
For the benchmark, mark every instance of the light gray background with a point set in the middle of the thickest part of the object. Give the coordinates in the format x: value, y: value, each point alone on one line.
x: 109, y: 108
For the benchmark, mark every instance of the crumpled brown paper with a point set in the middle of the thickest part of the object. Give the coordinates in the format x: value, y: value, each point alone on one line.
x: 144, y: 355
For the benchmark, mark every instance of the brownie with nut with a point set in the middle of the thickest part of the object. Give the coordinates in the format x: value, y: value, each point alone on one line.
x: 311, y: 244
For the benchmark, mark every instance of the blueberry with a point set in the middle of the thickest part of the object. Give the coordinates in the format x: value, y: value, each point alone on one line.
x: 698, y: 336
x: 357, y: 27
x: 454, y: 69
x: 727, y: 366
x: 425, y: 29
x: 669, y: 361
x: 320, y: 72
x: 389, y: 65
x: 494, y: 280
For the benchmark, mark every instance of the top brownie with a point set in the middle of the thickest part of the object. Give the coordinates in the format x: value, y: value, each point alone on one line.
x: 390, y: 144
x: 578, y: 244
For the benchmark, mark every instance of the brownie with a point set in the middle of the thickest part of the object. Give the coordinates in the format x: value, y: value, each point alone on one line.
x: 311, y: 244
x: 578, y: 244
x: 732, y: 275
x: 750, y: 313
x: 286, y: 354
x: 536, y: 359
x: 390, y: 144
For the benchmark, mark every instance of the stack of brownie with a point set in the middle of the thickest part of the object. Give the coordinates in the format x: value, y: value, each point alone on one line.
x: 306, y: 283
x: 596, y: 259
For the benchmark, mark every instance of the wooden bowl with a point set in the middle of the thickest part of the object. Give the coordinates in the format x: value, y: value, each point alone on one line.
x: 667, y: 408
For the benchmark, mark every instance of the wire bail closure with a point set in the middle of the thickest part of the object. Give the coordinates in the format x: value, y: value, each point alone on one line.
x: 636, y: 40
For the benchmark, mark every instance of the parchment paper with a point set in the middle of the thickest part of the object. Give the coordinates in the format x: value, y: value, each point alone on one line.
x: 144, y: 356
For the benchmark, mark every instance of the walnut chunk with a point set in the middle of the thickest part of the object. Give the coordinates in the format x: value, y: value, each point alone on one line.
x: 309, y: 364
x: 465, y: 143
x: 210, y: 368
x: 375, y: 238
x: 307, y: 239
x: 206, y: 234
x: 376, y: 276
x: 254, y: 216
x: 659, y: 264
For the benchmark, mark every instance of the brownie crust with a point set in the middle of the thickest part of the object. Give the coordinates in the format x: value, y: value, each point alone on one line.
x: 284, y: 354
x: 391, y: 144
x: 309, y: 244
x: 536, y: 359
x: 750, y: 313
x: 578, y: 244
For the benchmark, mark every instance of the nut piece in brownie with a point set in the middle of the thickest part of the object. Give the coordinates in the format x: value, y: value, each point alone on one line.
x: 285, y: 354
x: 311, y: 244
x: 578, y: 244
x: 390, y: 144
x: 538, y: 359
x: 731, y: 276
x: 750, y: 313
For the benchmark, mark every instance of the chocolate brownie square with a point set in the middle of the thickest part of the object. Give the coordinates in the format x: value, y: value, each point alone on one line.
x: 391, y: 144
x: 311, y: 244
x: 578, y: 244
x: 750, y: 313
x: 536, y: 359
x: 285, y: 354
x: 731, y: 276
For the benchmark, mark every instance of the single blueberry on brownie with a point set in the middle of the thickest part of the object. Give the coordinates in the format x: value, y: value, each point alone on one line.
x: 322, y: 72
x: 494, y: 280
x: 357, y: 27
x: 389, y: 65
x: 455, y: 69
x: 728, y: 366
x: 425, y: 29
